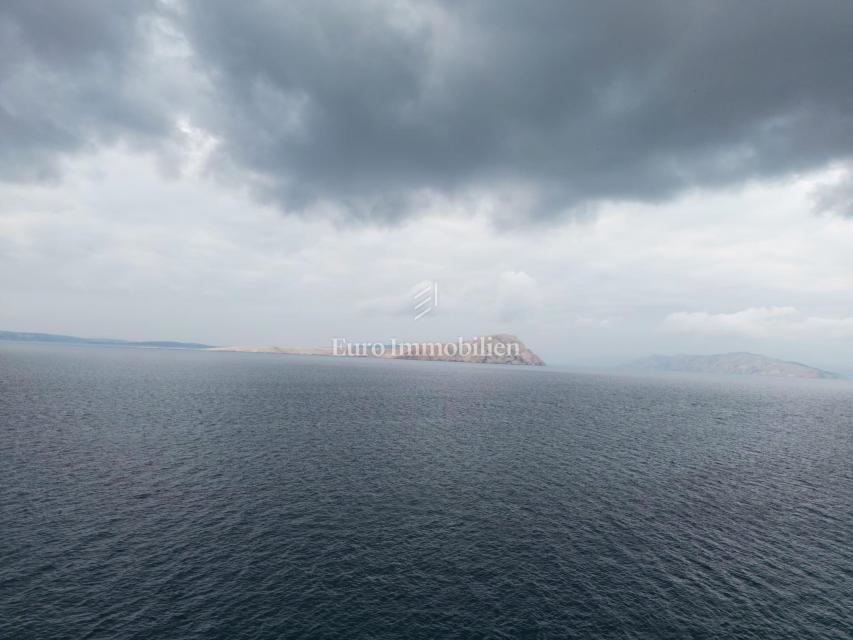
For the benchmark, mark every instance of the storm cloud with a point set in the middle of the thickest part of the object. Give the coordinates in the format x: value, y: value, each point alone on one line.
x: 367, y: 109
x: 71, y: 79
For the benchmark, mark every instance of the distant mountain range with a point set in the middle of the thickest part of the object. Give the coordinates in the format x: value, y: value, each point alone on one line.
x: 732, y: 363
x: 17, y: 336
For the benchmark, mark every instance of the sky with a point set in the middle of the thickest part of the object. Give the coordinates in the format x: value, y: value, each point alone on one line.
x: 605, y: 180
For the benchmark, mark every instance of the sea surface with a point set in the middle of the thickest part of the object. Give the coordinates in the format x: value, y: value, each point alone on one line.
x: 148, y: 494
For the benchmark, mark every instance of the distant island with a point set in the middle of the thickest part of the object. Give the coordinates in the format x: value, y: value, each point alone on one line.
x: 20, y: 336
x: 502, y: 348
x: 731, y: 363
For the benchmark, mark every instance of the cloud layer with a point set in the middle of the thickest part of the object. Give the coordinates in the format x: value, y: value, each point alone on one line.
x: 370, y: 111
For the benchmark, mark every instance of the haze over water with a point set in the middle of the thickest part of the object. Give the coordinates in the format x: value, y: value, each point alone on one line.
x: 176, y: 494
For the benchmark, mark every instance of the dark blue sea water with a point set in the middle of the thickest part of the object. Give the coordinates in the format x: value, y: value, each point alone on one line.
x: 154, y: 494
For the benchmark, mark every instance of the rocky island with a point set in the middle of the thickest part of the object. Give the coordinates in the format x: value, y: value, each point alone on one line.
x: 731, y: 363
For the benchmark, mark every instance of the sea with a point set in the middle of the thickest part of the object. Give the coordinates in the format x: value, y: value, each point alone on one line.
x: 168, y: 494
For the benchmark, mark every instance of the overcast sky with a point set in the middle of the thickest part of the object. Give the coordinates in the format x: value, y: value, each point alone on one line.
x: 606, y: 180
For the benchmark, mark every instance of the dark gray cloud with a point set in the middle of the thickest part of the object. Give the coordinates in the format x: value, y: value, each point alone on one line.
x: 367, y: 105
x: 69, y: 75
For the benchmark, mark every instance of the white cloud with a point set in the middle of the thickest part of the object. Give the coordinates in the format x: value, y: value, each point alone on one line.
x: 518, y: 295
